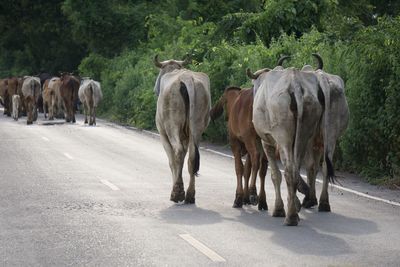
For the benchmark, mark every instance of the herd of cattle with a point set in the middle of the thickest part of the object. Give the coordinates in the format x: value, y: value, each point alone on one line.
x: 56, y: 96
x: 293, y: 114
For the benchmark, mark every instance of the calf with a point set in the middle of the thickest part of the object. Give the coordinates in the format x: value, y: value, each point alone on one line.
x: 16, y: 102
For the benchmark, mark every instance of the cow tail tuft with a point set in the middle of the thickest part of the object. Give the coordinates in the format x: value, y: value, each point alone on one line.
x: 196, y: 167
x: 330, y: 170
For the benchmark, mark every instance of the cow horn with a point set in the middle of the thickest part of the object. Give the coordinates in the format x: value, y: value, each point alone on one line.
x: 280, y: 61
x: 157, y: 62
x: 186, y: 60
x: 250, y: 74
x: 320, y: 62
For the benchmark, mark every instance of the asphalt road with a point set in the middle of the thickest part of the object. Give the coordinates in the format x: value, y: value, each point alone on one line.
x: 99, y: 196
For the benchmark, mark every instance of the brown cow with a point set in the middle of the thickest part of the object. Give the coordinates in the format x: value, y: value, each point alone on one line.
x: 69, y: 93
x: 12, y: 90
x: 243, y: 140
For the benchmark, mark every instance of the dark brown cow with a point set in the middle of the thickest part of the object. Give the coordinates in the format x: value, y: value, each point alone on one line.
x: 5, y: 97
x: 12, y: 90
x: 243, y: 139
x: 69, y: 93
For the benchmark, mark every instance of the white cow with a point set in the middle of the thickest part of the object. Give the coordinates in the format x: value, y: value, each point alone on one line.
x: 183, y: 107
x: 287, y: 111
x: 90, y: 95
x: 16, y: 102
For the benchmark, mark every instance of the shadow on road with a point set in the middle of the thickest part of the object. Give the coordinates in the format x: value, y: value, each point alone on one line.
x: 313, y: 234
x: 190, y: 215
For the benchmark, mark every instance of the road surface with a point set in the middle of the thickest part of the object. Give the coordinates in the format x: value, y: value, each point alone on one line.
x: 74, y: 195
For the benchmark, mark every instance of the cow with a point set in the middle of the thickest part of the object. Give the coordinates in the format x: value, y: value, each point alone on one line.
x: 31, y: 92
x: 5, y: 97
x: 43, y: 76
x: 69, y: 94
x: 22, y: 109
x: 12, y: 90
x: 287, y: 111
x: 334, y: 123
x: 243, y: 139
x: 16, y: 102
x: 182, y: 115
x: 90, y: 95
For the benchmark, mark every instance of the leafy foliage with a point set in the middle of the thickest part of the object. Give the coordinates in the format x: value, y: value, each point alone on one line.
x: 115, y: 42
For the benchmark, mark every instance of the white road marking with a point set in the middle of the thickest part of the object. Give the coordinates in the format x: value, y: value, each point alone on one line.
x: 68, y: 156
x: 45, y: 138
x: 110, y: 185
x: 319, y: 181
x: 202, y: 248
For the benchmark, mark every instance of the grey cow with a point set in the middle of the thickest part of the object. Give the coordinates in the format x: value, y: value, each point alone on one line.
x: 287, y: 111
x: 183, y: 107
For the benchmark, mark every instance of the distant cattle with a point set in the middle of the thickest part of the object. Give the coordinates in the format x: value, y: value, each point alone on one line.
x: 12, y: 90
x: 5, y: 97
x: 31, y: 92
x: 90, y: 95
x: 182, y: 115
x: 16, y: 102
x: 287, y: 110
x: 69, y: 93
x: 243, y: 139
x: 43, y: 78
x: 52, y: 101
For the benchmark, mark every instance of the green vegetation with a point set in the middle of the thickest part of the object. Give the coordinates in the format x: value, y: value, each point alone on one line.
x: 115, y: 41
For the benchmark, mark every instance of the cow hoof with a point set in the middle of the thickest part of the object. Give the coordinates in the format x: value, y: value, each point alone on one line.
x: 29, y: 122
x: 51, y: 119
x: 292, y: 220
x: 254, y: 200
x: 279, y: 213
x: 86, y: 122
x: 246, y: 200
x: 177, y: 196
x: 91, y: 124
x: 324, y: 206
x: 309, y: 203
x: 190, y: 199
x: 238, y: 203
x: 262, y: 205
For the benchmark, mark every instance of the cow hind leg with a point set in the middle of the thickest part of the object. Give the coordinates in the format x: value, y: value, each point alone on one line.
x: 193, y: 166
x: 236, y: 149
x: 176, y: 154
x: 276, y: 176
x: 246, y: 176
x: 262, y: 201
x: 327, y: 171
x: 255, y: 164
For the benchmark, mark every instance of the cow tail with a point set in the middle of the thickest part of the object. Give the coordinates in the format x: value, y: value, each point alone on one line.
x: 298, y: 107
x: 328, y: 154
x: 187, y: 93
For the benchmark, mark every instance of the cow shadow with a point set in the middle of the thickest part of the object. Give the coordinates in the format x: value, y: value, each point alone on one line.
x: 339, y: 224
x: 190, y: 215
x: 303, y: 239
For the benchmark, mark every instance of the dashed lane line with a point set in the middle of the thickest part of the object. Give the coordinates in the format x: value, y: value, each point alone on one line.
x: 45, y: 138
x: 110, y: 185
x: 68, y: 156
x: 212, y: 255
